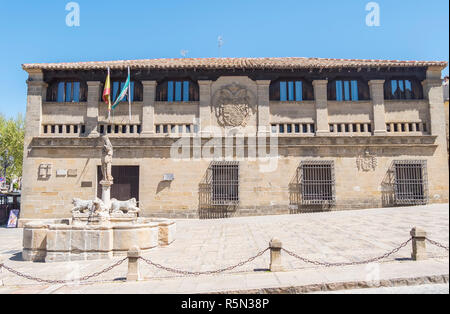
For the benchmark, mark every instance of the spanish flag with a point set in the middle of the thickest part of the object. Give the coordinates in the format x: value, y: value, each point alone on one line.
x: 107, y: 92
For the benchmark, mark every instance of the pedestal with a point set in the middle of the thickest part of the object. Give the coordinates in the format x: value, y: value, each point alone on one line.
x: 106, y: 192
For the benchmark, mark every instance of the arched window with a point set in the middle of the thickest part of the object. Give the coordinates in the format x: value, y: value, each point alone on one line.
x: 403, y: 89
x: 348, y: 90
x: 67, y: 91
x: 180, y: 90
x: 291, y: 90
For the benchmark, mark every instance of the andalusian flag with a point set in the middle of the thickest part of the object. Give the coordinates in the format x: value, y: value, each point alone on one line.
x: 126, y: 90
x: 107, y: 92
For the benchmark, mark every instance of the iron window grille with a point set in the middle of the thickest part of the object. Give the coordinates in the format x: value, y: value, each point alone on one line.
x: 224, y: 183
x: 410, y: 182
x: 317, y: 183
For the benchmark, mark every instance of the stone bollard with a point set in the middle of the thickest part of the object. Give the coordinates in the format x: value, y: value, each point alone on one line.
x: 275, y: 255
x: 134, y: 273
x: 419, y: 249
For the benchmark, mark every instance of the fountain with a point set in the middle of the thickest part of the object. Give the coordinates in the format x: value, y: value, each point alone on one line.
x: 99, y: 228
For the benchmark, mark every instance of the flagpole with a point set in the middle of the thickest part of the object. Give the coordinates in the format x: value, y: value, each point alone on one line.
x: 129, y: 94
x: 109, y: 104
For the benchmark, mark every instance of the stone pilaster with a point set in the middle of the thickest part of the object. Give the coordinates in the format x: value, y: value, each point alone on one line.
x: 263, y: 107
x: 37, y: 90
x: 205, y: 106
x: 148, y: 108
x: 379, y: 114
x: 321, y: 97
x: 92, y: 108
x: 433, y: 91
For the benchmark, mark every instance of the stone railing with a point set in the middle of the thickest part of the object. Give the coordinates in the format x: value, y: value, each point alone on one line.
x: 407, y: 127
x: 176, y: 129
x: 64, y: 130
x: 119, y: 129
x: 293, y: 128
x: 363, y: 128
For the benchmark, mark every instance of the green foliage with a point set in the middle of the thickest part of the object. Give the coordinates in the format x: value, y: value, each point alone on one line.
x: 12, y: 132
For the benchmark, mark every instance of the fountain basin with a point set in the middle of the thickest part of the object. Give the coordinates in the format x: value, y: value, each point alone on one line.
x: 43, y: 242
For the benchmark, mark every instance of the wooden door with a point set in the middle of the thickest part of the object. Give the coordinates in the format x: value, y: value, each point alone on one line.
x: 126, y: 182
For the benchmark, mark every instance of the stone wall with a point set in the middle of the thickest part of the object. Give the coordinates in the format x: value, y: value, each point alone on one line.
x: 260, y: 192
x: 58, y: 168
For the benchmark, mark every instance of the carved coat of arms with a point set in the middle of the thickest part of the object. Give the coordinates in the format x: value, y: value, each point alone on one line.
x: 233, y: 106
x: 366, y: 161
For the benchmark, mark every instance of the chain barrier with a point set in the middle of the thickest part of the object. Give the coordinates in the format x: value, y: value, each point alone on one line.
x: 198, y: 273
x: 437, y: 244
x: 372, y: 260
x: 84, y: 278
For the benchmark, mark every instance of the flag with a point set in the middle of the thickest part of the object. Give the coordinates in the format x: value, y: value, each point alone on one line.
x: 123, y: 93
x: 107, y: 91
x: 126, y: 90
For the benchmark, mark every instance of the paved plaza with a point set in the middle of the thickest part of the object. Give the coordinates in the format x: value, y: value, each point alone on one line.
x: 203, y: 245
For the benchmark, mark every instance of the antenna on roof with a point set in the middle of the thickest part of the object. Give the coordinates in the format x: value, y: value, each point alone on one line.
x: 184, y: 52
x: 220, y: 43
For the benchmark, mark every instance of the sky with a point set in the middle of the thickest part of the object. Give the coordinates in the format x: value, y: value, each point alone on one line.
x: 36, y: 31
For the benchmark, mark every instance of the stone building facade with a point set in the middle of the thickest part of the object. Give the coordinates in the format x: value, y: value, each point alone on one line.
x: 220, y: 137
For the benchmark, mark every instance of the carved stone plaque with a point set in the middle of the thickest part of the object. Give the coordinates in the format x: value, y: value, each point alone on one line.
x: 45, y: 171
x: 233, y: 105
x: 366, y: 161
x: 72, y: 172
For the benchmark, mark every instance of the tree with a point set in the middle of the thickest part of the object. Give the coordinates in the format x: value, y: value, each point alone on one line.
x: 12, y: 132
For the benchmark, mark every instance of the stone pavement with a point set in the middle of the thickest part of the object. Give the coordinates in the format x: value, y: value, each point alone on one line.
x: 203, y: 245
x: 421, y: 289
x: 387, y: 275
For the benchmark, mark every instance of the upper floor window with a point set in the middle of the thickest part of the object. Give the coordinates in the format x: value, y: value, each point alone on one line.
x: 403, y: 89
x: 177, y: 91
x: 291, y: 90
x: 348, y: 90
x: 117, y: 87
x: 67, y: 91
x: 136, y: 87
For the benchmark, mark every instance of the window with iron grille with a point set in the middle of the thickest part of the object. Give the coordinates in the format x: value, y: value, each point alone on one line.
x: 225, y: 183
x: 410, y: 183
x: 317, y: 182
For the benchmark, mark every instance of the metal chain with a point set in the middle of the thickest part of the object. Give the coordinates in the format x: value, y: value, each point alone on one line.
x: 198, y: 273
x: 84, y: 278
x: 437, y: 244
x: 372, y: 260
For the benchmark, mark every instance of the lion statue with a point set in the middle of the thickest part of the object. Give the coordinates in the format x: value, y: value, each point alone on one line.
x: 129, y: 206
x: 81, y: 206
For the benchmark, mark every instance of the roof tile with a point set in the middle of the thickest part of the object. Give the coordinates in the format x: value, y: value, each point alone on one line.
x: 232, y: 63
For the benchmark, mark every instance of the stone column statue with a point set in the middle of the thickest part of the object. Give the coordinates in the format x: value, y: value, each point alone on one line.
x: 107, y: 155
x: 107, y: 182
